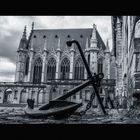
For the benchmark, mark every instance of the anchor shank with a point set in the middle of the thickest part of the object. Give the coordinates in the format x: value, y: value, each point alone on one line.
x: 83, y: 58
x: 89, y: 74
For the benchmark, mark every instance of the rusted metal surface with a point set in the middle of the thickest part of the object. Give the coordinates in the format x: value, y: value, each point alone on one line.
x: 58, y: 109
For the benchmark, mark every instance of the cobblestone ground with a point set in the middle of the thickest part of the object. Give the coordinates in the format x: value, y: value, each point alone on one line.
x: 15, y: 115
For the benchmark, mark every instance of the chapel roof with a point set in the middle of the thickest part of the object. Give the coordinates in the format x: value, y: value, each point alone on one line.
x: 53, y: 35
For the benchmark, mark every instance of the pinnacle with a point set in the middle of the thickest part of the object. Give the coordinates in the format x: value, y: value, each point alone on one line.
x: 94, y: 26
x: 107, y: 47
x: 32, y: 25
x: 118, y: 20
x: 87, y: 44
x: 24, y: 33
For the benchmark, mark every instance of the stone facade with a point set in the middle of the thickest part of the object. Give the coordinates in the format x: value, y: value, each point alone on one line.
x: 126, y: 38
x: 45, y: 60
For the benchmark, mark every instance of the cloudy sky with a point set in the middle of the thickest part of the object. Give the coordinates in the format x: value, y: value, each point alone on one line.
x: 11, y: 29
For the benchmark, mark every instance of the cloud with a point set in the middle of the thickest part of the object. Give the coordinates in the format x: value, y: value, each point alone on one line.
x: 11, y: 29
x: 7, y: 70
x: 7, y: 78
x: 103, y: 23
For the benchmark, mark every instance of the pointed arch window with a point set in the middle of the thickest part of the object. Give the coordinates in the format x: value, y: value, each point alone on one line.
x: 79, y: 70
x: 65, y: 68
x: 27, y: 66
x: 100, y: 66
x: 51, y: 68
x: 37, y: 71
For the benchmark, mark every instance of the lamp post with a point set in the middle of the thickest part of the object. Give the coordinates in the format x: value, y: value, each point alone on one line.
x: 69, y: 43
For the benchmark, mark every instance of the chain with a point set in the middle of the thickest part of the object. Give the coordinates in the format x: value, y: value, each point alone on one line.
x: 88, y: 106
x: 98, y: 79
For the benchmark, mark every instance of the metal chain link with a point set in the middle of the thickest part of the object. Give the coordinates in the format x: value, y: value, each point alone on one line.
x: 88, y: 106
x: 92, y: 96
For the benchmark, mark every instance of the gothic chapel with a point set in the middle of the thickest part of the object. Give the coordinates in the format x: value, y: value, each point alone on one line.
x: 45, y: 58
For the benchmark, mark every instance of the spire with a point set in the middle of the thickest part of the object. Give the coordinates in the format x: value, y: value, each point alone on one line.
x: 87, y: 44
x: 32, y: 49
x: 24, y: 33
x: 32, y: 26
x: 45, y: 44
x: 23, y: 41
x: 112, y: 52
x: 58, y: 45
x: 118, y: 20
x: 31, y: 31
x: 94, y: 26
x: 72, y: 48
x: 94, y: 38
x: 107, y: 47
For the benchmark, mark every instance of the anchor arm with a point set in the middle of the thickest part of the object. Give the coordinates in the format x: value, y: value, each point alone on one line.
x: 95, y: 79
x: 73, y: 91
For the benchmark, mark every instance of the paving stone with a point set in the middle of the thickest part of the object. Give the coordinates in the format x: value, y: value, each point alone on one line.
x: 120, y: 116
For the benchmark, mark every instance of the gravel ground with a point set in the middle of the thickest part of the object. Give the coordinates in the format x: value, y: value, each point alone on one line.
x: 15, y: 115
